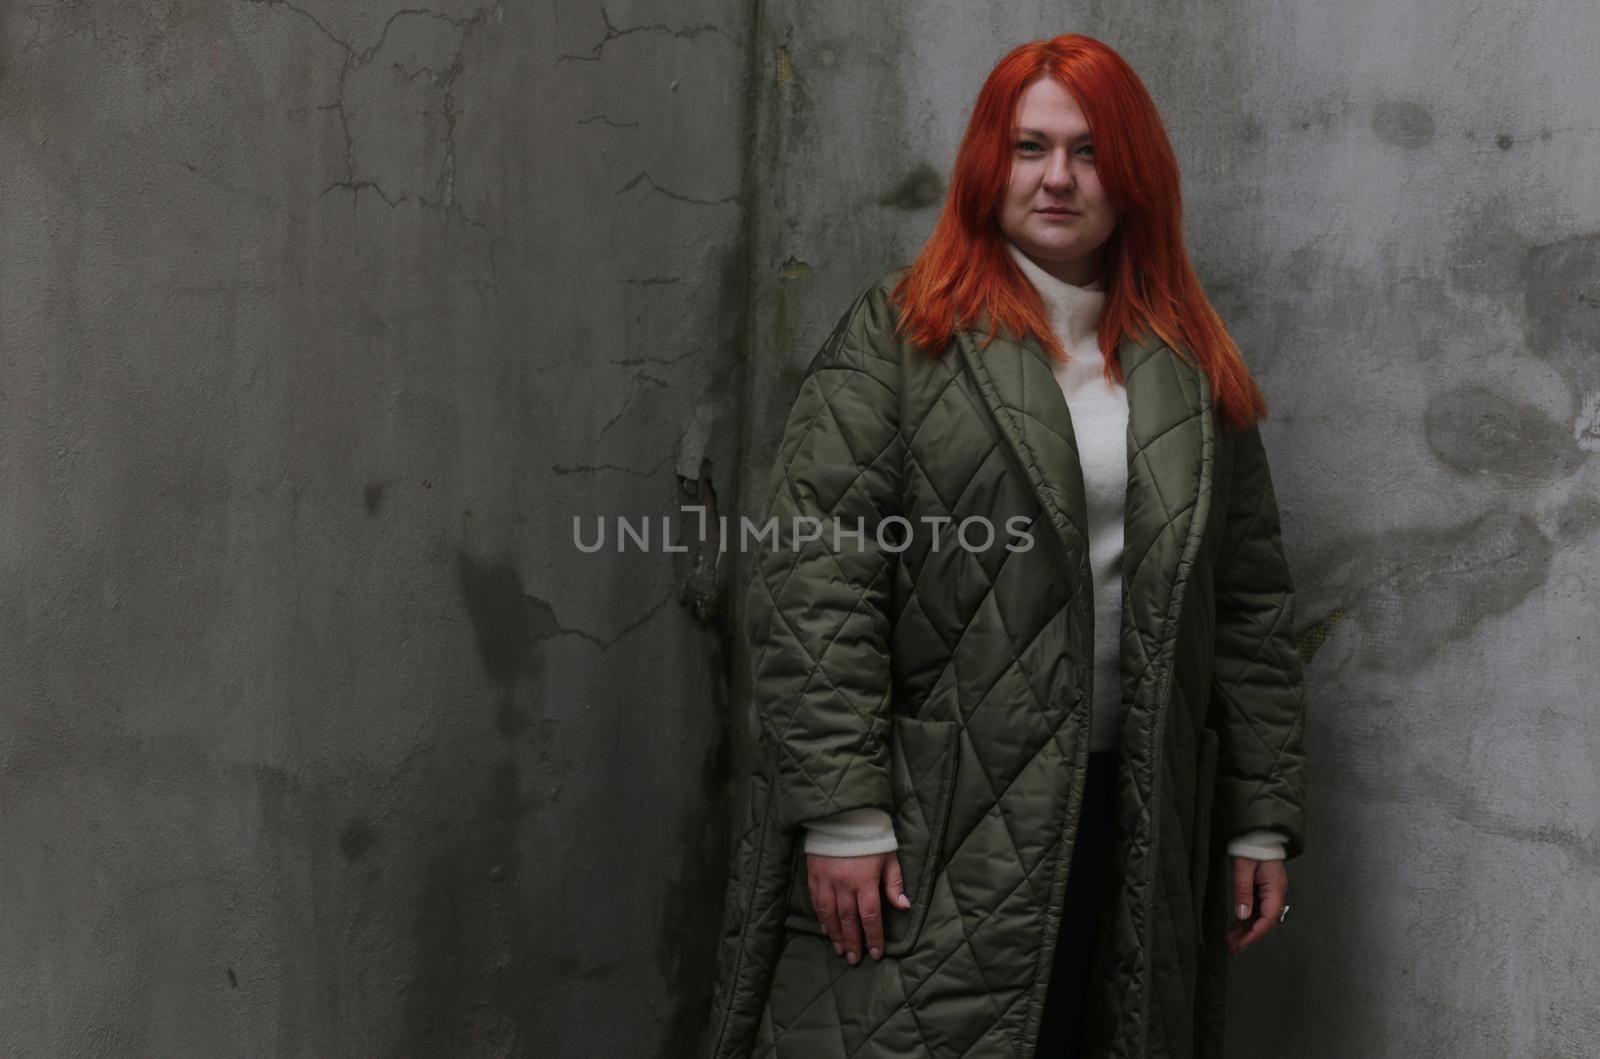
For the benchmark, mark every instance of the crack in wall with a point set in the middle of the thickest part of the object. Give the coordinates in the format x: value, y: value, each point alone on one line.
x: 564, y: 469
x: 443, y: 196
x: 613, y: 124
x: 614, y: 32
x: 547, y: 626
x: 657, y: 189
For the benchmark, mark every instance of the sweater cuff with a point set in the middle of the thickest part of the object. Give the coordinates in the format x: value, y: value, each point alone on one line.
x: 1258, y: 845
x: 852, y: 833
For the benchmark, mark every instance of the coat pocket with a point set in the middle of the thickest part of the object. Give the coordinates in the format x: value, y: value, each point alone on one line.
x: 923, y: 772
x: 1204, y: 801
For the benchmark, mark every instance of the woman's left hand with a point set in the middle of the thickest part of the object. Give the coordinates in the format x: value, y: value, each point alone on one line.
x: 1259, y: 889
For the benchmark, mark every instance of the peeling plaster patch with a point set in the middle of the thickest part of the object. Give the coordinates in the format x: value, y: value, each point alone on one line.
x: 1403, y: 123
x: 1415, y: 591
x: 1586, y: 428
x: 918, y: 190
x: 700, y: 531
x: 1474, y: 430
x: 794, y: 268
x: 691, y: 455
x: 785, y: 66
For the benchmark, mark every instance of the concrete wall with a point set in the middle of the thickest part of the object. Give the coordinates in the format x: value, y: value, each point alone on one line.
x: 319, y: 322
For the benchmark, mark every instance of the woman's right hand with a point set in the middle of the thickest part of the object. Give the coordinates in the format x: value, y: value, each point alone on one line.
x: 844, y: 892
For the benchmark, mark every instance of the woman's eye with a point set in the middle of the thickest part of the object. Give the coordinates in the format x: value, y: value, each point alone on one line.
x: 1089, y: 147
x: 1026, y: 145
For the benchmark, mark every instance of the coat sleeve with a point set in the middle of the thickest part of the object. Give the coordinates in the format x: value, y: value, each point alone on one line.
x: 1257, y: 688
x: 818, y: 599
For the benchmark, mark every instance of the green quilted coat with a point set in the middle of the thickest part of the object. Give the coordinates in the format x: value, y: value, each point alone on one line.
x: 950, y: 686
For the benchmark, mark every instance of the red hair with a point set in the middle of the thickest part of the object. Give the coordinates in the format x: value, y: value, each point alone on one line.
x: 1150, y: 284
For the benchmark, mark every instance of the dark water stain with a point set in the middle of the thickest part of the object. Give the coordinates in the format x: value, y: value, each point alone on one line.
x: 1474, y: 430
x: 508, y: 624
x: 1487, y: 255
x: 233, y: 979
x: 919, y: 189
x: 1403, y: 123
x: 1471, y: 804
x: 1504, y: 141
x: 373, y: 495
x: 475, y: 984
x: 356, y: 839
x: 1576, y: 520
x: 493, y: 596
x: 1414, y: 592
x: 1560, y: 282
x: 691, y: 909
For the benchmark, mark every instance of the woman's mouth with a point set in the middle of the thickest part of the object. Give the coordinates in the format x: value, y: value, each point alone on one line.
x: 1058, y: 211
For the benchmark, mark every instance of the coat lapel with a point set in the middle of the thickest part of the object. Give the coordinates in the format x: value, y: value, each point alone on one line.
x: 1169, y: 469
x: 1170, y: 450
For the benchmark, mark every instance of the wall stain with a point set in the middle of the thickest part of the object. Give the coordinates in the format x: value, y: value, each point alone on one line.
x: 506, y: 622
x: 373, y: 495
x: 691, y: 915
x: 1474, y: 430
x: 1576, y: 520
x: 1402, y: 123
x: 356, y: 839
x: 917, y: 190
x: 1560, y: 284
x: 1415, y: 592
x: 476, y: 983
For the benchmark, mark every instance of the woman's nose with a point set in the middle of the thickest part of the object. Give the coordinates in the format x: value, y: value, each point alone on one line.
x: 1058, y: 174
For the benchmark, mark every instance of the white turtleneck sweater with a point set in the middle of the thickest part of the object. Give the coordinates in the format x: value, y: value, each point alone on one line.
x: 1099, y: 411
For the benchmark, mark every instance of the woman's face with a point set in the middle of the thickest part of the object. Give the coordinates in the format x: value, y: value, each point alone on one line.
x: 1054, y: 208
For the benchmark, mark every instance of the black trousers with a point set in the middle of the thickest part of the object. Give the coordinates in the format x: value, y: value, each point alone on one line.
x: 1061, y: 1028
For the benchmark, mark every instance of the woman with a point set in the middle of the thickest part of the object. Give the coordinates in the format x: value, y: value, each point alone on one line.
x: 1002, y: 772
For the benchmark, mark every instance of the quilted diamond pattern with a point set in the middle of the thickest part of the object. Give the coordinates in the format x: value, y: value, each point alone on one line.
x: 994, y: 644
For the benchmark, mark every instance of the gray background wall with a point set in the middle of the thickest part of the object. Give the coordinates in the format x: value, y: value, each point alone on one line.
x: 320, y: 321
